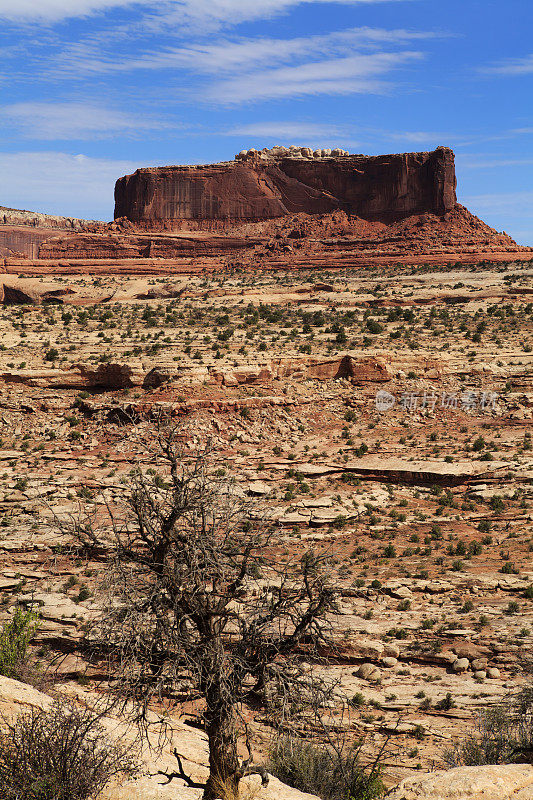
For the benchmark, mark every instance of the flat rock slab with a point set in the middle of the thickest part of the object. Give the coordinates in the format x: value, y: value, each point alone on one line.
x: 501, y: 782
x: 16, y: 698
x: 403, y: 471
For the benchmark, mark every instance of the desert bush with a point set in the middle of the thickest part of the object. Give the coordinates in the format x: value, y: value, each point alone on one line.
x: 14, y: 640
x: 503, y: 734
x: 58, y: 754
x: 330, y: 773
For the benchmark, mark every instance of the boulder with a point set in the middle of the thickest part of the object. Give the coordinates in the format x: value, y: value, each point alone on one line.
x: 167, y: 291
x: 461, y: 665
x: 369, y: 672
x: 501, y: 782
x: 258, y: 488
x: 156, y: 378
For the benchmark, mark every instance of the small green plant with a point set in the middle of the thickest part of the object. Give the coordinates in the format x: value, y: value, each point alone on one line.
x: 446, y: 703
x: 14, y: 640
x: 332, y: 774
x: 503, y: 734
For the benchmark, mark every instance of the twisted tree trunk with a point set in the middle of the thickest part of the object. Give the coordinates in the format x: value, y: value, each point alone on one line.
x: 224, y: 767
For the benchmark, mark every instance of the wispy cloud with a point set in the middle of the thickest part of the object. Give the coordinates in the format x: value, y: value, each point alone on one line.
x: 506, y: 204
x: 358, y: 74
x: 493, y: 163
x: 303, y: 132
x: 212, y: 13
x: 73, y: 120
x: 60, y: 183
x: 511, y: 66
x: 231, y: 55
x: 55, y: 10
x: 231, y: 71
x: 420, y: 137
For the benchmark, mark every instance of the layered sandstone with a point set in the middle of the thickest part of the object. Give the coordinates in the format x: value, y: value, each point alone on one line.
x: 254, y: 188
x: 23, y: 232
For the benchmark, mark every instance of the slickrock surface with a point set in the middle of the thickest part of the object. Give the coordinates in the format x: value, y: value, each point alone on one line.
x: 382, y: 416
x: 511, y: 782
x: 17, y: 698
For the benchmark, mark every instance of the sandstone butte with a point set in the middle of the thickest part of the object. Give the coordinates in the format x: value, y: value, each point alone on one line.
x: 284, y: 208
x: 382, y: 188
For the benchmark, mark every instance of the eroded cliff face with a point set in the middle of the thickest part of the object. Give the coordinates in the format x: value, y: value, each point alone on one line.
x: 23, y: 232
x: 384, y: 188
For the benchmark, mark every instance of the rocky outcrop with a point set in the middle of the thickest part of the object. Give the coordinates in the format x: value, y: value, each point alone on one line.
x: 501, y: 782
x: 23, y: 232
x: 122, y: 246
x: 11, y: 295
x: 112, y: 375
x: 253, y: 188
x: 33, y: 219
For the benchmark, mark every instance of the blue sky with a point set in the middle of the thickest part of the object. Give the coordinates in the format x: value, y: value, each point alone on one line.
x: 93, y: 89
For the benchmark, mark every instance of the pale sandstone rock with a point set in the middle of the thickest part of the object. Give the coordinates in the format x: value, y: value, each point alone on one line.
x: 461, y: 665
x: 389, y: 662
x: 502, y: 782
x: 16, y: 698
x: 258, y: 488
x: 368, y: 672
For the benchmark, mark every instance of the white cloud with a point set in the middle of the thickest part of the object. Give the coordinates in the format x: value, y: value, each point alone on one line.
x: 342, y: 62
x: 512, y: 66
x: 231, y: 56
x: 509, y: 211
x: 420, y: 137
x: 60, y: 183
x: 54, y: 10
x: 350, y: 75
x: 492, y: 163
x: 73, y: 120
x: 295, y: 131
x: 204, y: 12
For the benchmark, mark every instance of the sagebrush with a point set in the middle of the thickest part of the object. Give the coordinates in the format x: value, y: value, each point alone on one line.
x: 503, y: 734
x: 58, y: 754
x: 330, y: 773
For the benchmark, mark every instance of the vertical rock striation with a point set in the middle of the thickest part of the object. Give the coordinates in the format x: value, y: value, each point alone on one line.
x: 260, y: 186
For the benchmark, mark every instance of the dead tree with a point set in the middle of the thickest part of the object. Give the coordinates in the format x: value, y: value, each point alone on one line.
x: 198, y: 605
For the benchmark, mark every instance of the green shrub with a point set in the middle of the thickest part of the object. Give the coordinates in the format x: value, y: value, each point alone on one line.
x: 14, y: 640
x: 323, y: 771
x: 60, y: 753
x: 503, y: 734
